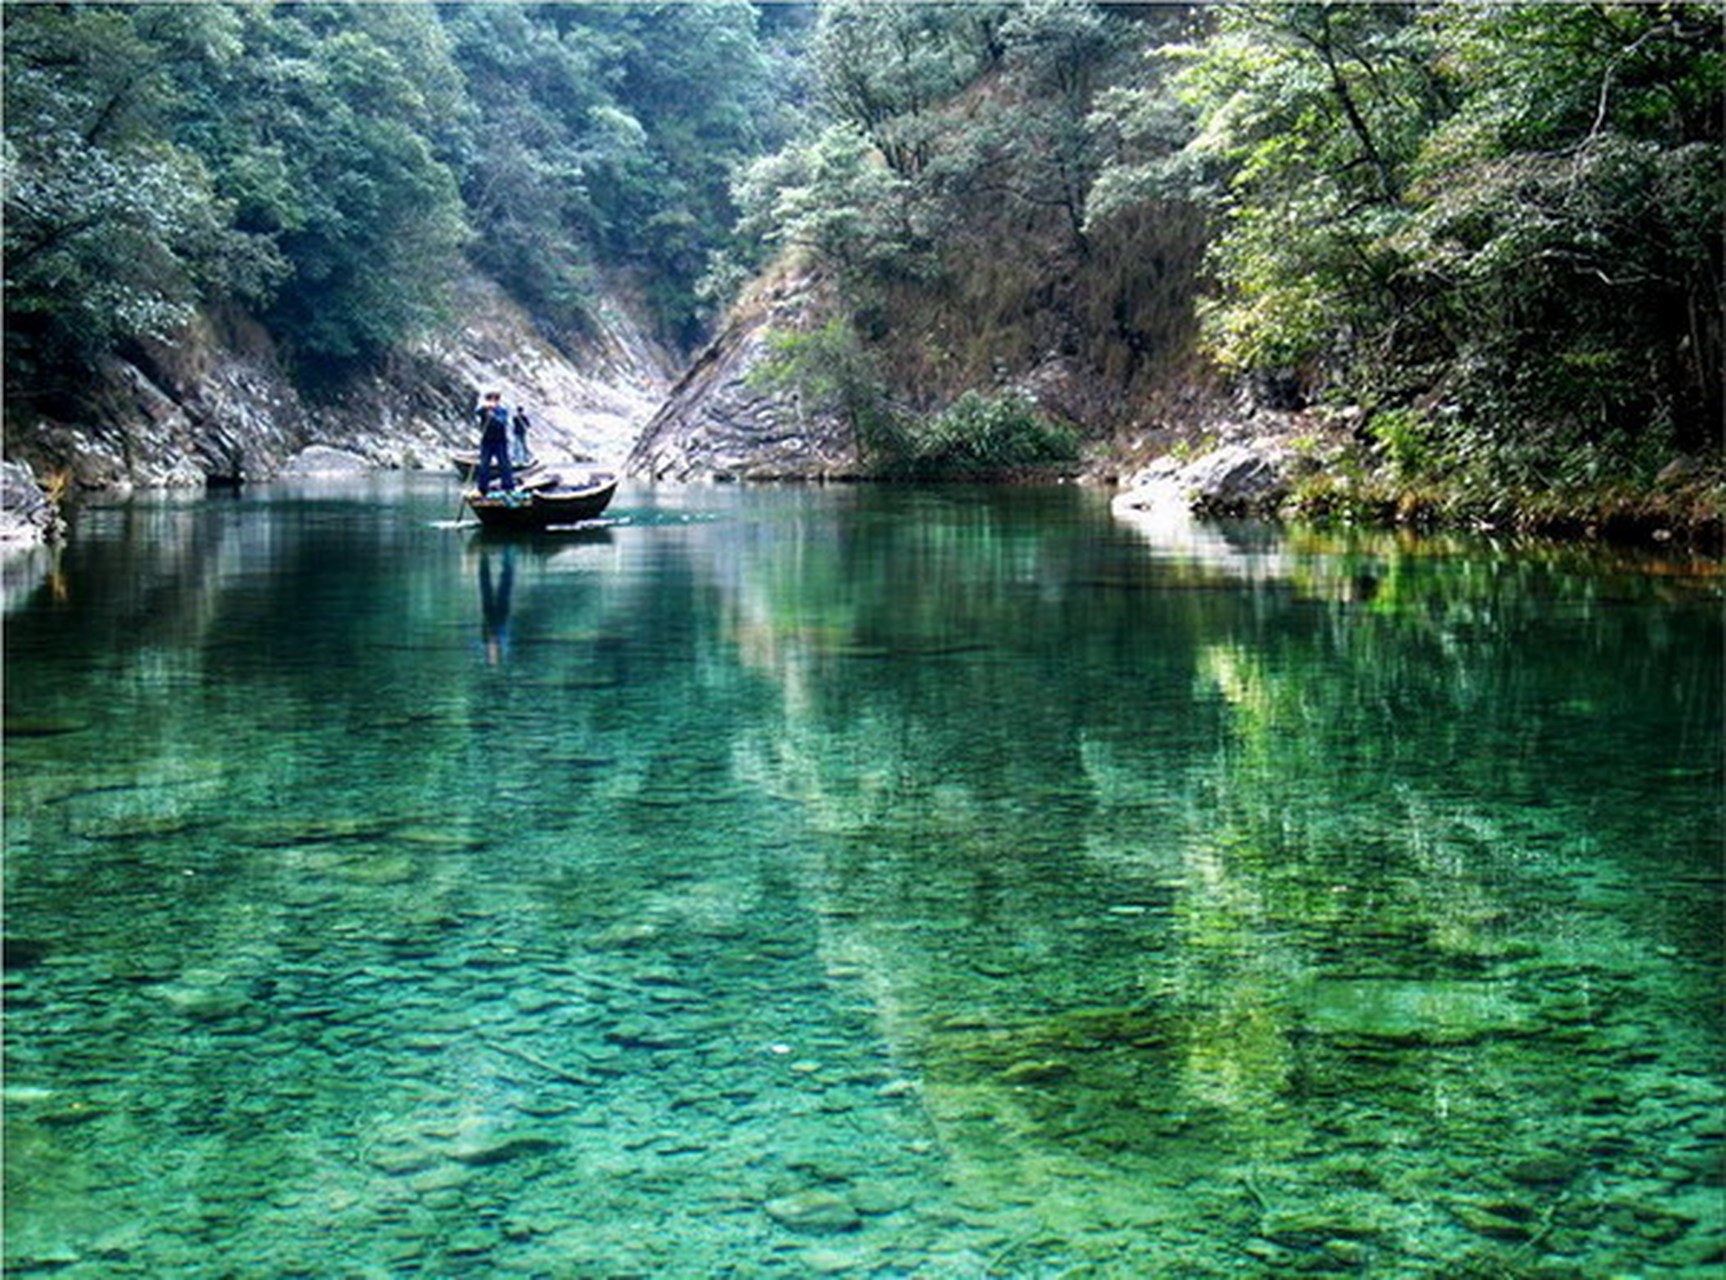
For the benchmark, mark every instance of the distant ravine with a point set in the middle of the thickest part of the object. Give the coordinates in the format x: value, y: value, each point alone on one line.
x: 217, y: 406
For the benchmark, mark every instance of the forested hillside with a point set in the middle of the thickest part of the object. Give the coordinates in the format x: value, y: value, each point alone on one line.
x: 1487, y: 236
x: 1482, y: 240
x: 328, y: 166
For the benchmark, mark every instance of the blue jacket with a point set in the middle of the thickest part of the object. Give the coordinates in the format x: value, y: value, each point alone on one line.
x: 493, y: 422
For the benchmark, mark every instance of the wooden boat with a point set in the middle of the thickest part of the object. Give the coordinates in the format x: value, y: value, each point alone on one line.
x: 548, y: 503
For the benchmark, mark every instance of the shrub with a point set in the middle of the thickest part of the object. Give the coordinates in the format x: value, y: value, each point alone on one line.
x: 980, y: 435
x: 1409, y: 440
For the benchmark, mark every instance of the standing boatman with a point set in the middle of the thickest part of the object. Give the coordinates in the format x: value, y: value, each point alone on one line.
x: 493, y: 442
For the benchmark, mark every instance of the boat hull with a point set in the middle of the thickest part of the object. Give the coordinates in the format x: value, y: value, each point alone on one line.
x: 548, y: 508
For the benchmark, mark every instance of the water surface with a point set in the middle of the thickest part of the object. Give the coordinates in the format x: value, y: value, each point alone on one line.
x: 859, y: 882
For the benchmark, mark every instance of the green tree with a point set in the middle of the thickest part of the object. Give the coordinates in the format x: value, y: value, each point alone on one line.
x: 112, y: 232
x: 539, y: 127
x: 667, y: 103
x: 888, y: 68
x: 1567, y: 225
x: 830, y: 196
x: 1499, y: 224
x: 327, y: 165
x: 1308, y: 119
x: 982, y: 435
x: 830, y: 371
x: 1060, y: 53
x: 331, y: 128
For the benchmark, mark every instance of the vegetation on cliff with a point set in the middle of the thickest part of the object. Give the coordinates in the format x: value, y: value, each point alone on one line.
x: 1482, y: 241
x: 945, y: 181
x: 326, y: 166
x: 1487, y: 237
x: 1494, y: 228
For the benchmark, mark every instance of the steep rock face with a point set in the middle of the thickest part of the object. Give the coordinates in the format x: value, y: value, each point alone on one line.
x: 589, y: 403
x: 213, y: 405
x: 715, y: 425
x: 27, y: 516
x: 218, y: 405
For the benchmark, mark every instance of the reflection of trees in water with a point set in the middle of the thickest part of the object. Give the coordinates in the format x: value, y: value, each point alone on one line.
x: 1153, y: 873
x: 1166, y: 867
x: 279, y: 811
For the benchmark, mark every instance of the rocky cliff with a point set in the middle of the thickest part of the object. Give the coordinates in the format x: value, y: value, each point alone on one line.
x: 217, y: 405
x: 716, y: 425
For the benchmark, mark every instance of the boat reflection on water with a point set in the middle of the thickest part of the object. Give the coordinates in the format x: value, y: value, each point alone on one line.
x: 558, y: 551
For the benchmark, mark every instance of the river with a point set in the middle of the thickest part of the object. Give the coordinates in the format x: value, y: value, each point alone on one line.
x: 855, y: 881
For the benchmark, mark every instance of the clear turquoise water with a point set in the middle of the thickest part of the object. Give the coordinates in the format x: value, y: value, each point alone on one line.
x: 853, y: 882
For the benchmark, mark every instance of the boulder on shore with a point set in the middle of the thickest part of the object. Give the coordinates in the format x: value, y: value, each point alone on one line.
x: 1249, y: 479
x: 28, y: 517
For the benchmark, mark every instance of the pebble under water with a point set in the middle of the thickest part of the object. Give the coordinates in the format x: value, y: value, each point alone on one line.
x: 855, y: 882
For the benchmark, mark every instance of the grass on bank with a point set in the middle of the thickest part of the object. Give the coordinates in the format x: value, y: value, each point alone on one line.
x: 1586, y: 490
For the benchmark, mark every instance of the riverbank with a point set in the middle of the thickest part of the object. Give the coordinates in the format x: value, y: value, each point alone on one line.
x: 1323, y: 470
x: 1683, y: 508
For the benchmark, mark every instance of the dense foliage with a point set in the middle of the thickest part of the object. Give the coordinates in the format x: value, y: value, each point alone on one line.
x: 1497, y: 226
x: 1490, y: 230
x: 325, y: 166
x: 943, y: 182
x: 979, y: 435
x: 1495, y: 229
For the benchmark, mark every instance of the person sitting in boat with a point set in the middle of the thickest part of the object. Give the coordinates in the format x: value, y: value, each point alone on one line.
x: 493, y: 443
x: 519, y: 424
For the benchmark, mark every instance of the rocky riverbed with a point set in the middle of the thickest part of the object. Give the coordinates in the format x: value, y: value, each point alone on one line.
x: 662, y: 1094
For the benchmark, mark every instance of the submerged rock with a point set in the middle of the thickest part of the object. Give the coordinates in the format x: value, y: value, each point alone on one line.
x: 1316, y: 1223
x: 1046, y: 1072
x: 203, y: 997
x: 814, y: 1211
x: 479, y: 1152
x: 23, y: 953
x: 1497, y: 1221
x: 878, y: 1199
x: 1543, y: 1170
x: 1414, y: 1013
